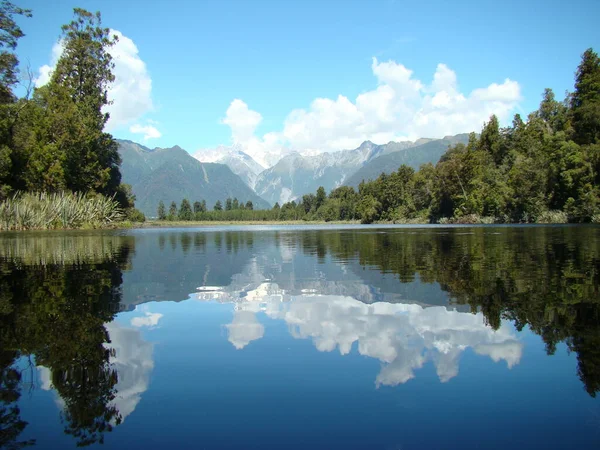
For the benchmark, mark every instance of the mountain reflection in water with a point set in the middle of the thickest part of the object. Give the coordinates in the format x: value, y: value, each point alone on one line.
x: 91, y: 310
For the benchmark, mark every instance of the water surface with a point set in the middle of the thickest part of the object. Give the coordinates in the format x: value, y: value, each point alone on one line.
x: 301, y: 337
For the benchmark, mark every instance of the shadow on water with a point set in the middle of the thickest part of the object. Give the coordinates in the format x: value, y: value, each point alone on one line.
x: 57, y: 293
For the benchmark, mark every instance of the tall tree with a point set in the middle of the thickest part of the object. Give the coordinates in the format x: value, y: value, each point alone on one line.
x: 585, y: 101
x: 173, y: 210
x: 10, y: 33
x: 79, y: 84
x: 185, y: 210
x: 320, y: 197
x: 162, y: 214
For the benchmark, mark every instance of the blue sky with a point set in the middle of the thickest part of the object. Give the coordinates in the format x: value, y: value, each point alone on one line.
x: 279, y: 56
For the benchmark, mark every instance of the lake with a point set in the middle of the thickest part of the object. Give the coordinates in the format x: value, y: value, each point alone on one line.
x: 351, y: 337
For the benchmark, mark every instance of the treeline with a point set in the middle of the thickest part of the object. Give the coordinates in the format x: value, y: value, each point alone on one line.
x: 231, y: 210
x: 545, y: 169
x: 52, y: 139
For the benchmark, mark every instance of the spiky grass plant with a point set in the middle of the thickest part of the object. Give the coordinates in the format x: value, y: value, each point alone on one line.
x: 43, y: 211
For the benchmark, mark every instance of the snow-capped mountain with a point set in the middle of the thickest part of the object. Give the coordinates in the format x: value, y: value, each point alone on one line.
x: 240, y: 163
x: 295, y: 175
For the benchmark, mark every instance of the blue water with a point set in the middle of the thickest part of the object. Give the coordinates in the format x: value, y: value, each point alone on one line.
x: 305, y: 338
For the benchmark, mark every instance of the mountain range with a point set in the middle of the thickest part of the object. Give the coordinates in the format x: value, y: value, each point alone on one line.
x: 173, y: 174
x: 429, y: 151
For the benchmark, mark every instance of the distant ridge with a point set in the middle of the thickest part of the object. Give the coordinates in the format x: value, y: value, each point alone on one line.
x: 169, y: 174
x: 428, y: 151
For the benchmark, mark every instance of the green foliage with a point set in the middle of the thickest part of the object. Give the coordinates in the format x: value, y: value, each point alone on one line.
x: 185, y: 210
x: 585, y: 101
x: 58, y: 293
x: 54, y: 141
x: 368, y: 209
x: 10, y: 33
x: 172, y: 211
x: 161, y: 213
x: 134, y: 215
x: 41, y: 211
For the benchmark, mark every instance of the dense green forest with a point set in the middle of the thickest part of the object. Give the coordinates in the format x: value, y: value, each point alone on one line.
x: 545, y: 170
x: 52, y: 140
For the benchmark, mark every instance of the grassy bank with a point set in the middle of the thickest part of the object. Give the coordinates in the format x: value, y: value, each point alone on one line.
x: 212, y: 223
x: 62, y: 210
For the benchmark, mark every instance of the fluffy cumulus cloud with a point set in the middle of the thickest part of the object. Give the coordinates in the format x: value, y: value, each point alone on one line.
x: 243, y: 122
x: 244, y: 329
x: 147, y: 131
x: 148, y: 320
x: 131, y: 92
x: 403, y: 337
x: 133, y: 362
x: 45, y: 72
x: 400, y: 107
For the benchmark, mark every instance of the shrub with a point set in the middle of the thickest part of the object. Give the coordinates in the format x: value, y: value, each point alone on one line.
x: 43, y: 211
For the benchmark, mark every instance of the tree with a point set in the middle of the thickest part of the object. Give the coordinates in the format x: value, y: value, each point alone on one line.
x: 197, y: 207
x: 78, y: 91
x: 10, y: 33
x: 185, y: 210
x: 173, y: 210
x: 249, y: 205
x: 203, y: 206
x: 218, y: 206
x: 235, y: 204
x: 308, y: 202
x: 11, y: 165
x: 162, y: 214
x: 228, y: 204
x: 368, y: 209
x: 552, y: 112
x: 320, y: 198
x: 585, y: 101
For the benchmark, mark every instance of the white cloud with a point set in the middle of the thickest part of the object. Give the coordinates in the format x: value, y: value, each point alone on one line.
x: 149, y: 131
x: 45, y: 72
x: 243, y: 123
x: 400, y: 107
x: 244, y: 329
x: 131, y: 92
x: 133, y: 362
x: 149, y: 320
x: 403, y: 337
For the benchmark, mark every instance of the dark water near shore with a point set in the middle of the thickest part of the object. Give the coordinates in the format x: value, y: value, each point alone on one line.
x: 299, y: 337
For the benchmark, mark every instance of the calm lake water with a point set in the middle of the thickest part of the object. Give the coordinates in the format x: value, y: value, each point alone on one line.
x: 299, y: 337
